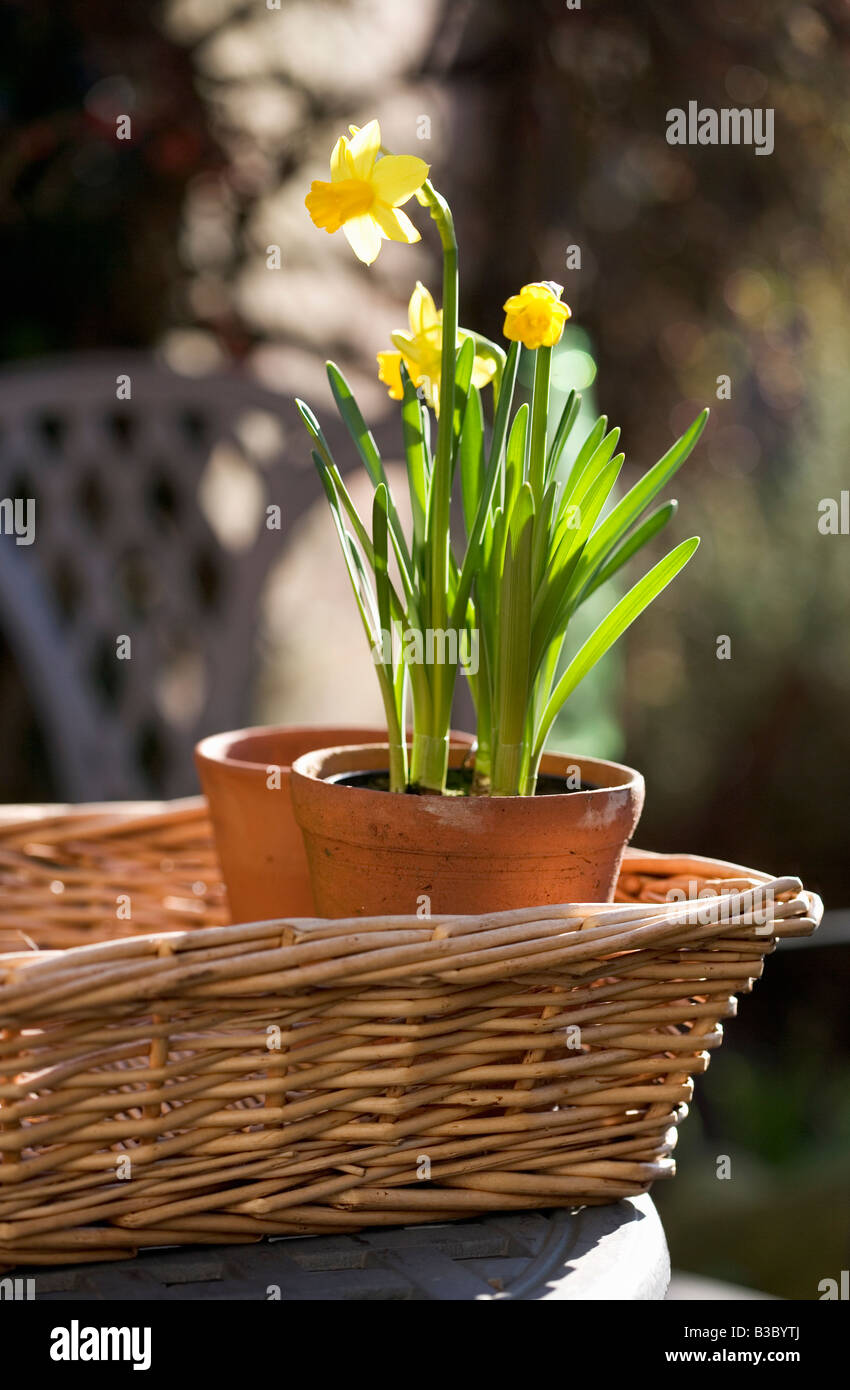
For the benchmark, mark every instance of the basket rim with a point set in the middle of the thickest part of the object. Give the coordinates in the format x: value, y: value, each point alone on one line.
x: 563, y: 922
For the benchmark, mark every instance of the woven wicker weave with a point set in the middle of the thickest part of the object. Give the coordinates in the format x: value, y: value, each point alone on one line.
x: 221, y: 1083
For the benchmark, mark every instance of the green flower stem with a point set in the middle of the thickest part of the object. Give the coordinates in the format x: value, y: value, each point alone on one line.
x: 434, y: 764
x: 429, y: 760
x: 539, y: 418
x: 394, y: 707
x: 507, y: 770
x: 398, y: 767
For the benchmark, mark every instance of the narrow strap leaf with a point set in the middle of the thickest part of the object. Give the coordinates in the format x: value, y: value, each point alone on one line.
x: 472, y: 459
x: 366, y: 447
x: 569, y: 415
x: 463, y: 387
x: 585, y: 454
x: 577, y: 487
x: 512, y: 696
x: 356, y: 425
x: 635, y: 502
x: 315, y: 431
x: 413, y: 419
x: 649, y: 528
x: 552, y: 605
x: 611, y: 628
x: 536, y: 472
x: 488, y: 492
x: 380, y: 530
x: 575, y: 498
x: 515, y: 457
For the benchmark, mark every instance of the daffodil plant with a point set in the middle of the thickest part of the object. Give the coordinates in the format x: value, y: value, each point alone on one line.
x: 538, y: 538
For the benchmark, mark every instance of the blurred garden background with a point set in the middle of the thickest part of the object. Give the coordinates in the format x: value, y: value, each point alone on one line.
x: 545, y: 125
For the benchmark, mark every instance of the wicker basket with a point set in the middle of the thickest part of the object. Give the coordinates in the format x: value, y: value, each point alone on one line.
x: 167, y: 1079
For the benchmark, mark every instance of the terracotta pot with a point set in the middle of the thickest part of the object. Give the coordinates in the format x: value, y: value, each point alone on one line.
x: 373, y: 853
x: 259, y: 844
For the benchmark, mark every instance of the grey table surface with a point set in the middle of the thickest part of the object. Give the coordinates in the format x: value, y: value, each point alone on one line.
x: 610, y: 1252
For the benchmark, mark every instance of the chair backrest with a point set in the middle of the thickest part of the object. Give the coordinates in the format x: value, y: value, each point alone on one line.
x: 132, y: 614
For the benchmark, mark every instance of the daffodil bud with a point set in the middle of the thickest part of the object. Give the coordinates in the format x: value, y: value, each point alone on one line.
x: 536, y: 316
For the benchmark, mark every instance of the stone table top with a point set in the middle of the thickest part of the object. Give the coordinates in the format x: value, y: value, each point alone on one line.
x: 605, y: 1252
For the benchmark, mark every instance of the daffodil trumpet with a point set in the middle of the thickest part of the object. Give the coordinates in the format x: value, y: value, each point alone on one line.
x: 541, y: 533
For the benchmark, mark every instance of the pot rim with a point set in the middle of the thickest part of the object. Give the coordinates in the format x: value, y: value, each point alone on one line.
x: 309, y: 765
x: 216, y: 748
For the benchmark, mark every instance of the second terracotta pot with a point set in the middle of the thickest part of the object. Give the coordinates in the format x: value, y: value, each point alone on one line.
x: 245, y: 777
x: 374, y: 853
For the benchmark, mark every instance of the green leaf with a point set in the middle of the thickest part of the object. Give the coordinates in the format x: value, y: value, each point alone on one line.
x: 514, y: 636
x: 315, y: 431
x: 543, y: 535
x: 515, y: 457
x: 569, y: 415
x: 593, y: 470
x: 366, y: 448
x: 364, y: 587
x: 552, y: 604
x: 536, y: 471
x: 365, y: 600
x: 635, y: 502
x: 380, y: 529
x: 489, y: 579
x: 335, y: 490
x: 413, y: 421
x: 392, y: 687
x: 488, y: 492
x: 503, y: 415
x: 356, y: 425
x: 649, y: 528
x: 472, y: 459
x: 363, y: 537
x: 585, y: 454
x: 463, y: 387
x: 610, y: 629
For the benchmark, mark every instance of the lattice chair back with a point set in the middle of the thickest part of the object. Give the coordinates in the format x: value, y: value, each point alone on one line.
x: 131, y: 610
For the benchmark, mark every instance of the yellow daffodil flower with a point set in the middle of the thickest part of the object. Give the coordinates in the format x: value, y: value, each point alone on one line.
x: 535, y: 317
x: 421, y: 351
x: 365, y: 193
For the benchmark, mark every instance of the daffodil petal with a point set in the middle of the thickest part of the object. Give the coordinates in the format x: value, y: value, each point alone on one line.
x: 364, y: 147
x: 389, y: 371
x: 428, y: 380
x: 397, y: 177
x: 422, y: 311
x: 408, y: 346
x: 483, y: 372
x: 431, y: 387
x: 339, y: 164
x: 395, y: 224
x: 364, y: 237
